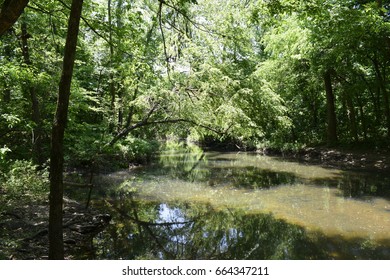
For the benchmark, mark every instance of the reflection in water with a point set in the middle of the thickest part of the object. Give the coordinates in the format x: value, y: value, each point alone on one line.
x: 147, y: 230
x: 183, y: 231
x: 245, y: 206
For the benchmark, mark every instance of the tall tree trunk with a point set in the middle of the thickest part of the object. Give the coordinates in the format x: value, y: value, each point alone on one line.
x: 10, y: 12
x: 351, y: 112
x: 120, y: 112
x: 36, y: 115
x: 111, y: 81
x: 374, y: 92
x: 56, y: 244
x: 114, y: 86
x: 331, y: 111
x: 119, y: 91
x: 362, y: 117
x: 8, y: 54
x: 382, y: 86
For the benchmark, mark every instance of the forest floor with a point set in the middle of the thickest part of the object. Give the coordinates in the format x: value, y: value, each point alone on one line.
x: 24, y: 231
x: 24, y: 227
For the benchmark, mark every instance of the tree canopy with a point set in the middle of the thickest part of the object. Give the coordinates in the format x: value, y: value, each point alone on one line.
x: 249, y: 72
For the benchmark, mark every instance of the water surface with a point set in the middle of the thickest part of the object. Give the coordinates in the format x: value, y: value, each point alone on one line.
x: 196, y: 205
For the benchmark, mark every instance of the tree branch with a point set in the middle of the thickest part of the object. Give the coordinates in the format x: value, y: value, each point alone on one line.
x: 197, y: 25
x: 145, y: 122
x: 163, y: 38
x: 10, y: 12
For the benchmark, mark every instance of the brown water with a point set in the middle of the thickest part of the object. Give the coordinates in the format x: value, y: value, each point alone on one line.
x: 241, y: 205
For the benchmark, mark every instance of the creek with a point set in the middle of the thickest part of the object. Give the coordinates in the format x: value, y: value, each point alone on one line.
x: 191, y: 204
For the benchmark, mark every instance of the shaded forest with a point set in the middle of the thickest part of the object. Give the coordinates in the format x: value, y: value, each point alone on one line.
x: 103, y: 82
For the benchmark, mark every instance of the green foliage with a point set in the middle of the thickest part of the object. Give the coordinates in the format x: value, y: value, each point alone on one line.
x: 84, y: 143
x: 243, y: 72
x: 3, y: 162
x: 136, y: 150
x: 23, y: 183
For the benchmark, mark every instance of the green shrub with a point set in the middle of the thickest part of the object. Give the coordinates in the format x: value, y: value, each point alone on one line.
x: 3, y: 161
x: 137, y: 150
x: 23, y: 183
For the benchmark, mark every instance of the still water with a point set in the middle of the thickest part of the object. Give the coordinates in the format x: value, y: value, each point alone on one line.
x: 196, y: 205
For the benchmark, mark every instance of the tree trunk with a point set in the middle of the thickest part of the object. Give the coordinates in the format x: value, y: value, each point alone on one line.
x: 362, y: 117
x: 351, y: 112
x: 8, y: 55
x: 10, y: 12
x: 56, y: 244
x: 114, y: 86
x: 36, y: 115
x: 331, y: 111
x: 111, y: 77
x: 382, y: 86
x: 119, y: 91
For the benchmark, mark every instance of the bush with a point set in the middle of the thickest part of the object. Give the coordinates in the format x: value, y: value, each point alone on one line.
x: 3, y: 161
x: 24, y: 183
x: 137, y: 150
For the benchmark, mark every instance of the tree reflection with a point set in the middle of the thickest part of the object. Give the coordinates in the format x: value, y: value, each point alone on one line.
x: 146, y: 230
x: 250, y: 177
x: 359, y: 185
x: 190, y: 163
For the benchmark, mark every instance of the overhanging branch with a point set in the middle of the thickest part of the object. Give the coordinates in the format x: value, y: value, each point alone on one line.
x: 144, y: 123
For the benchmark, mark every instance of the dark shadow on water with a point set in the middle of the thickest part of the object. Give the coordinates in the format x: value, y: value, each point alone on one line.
x: 250, y: 177
x: 356, y: 184
x: 359, y: 185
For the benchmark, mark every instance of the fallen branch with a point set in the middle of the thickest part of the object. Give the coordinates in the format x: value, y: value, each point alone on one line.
x: 79, y: 185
